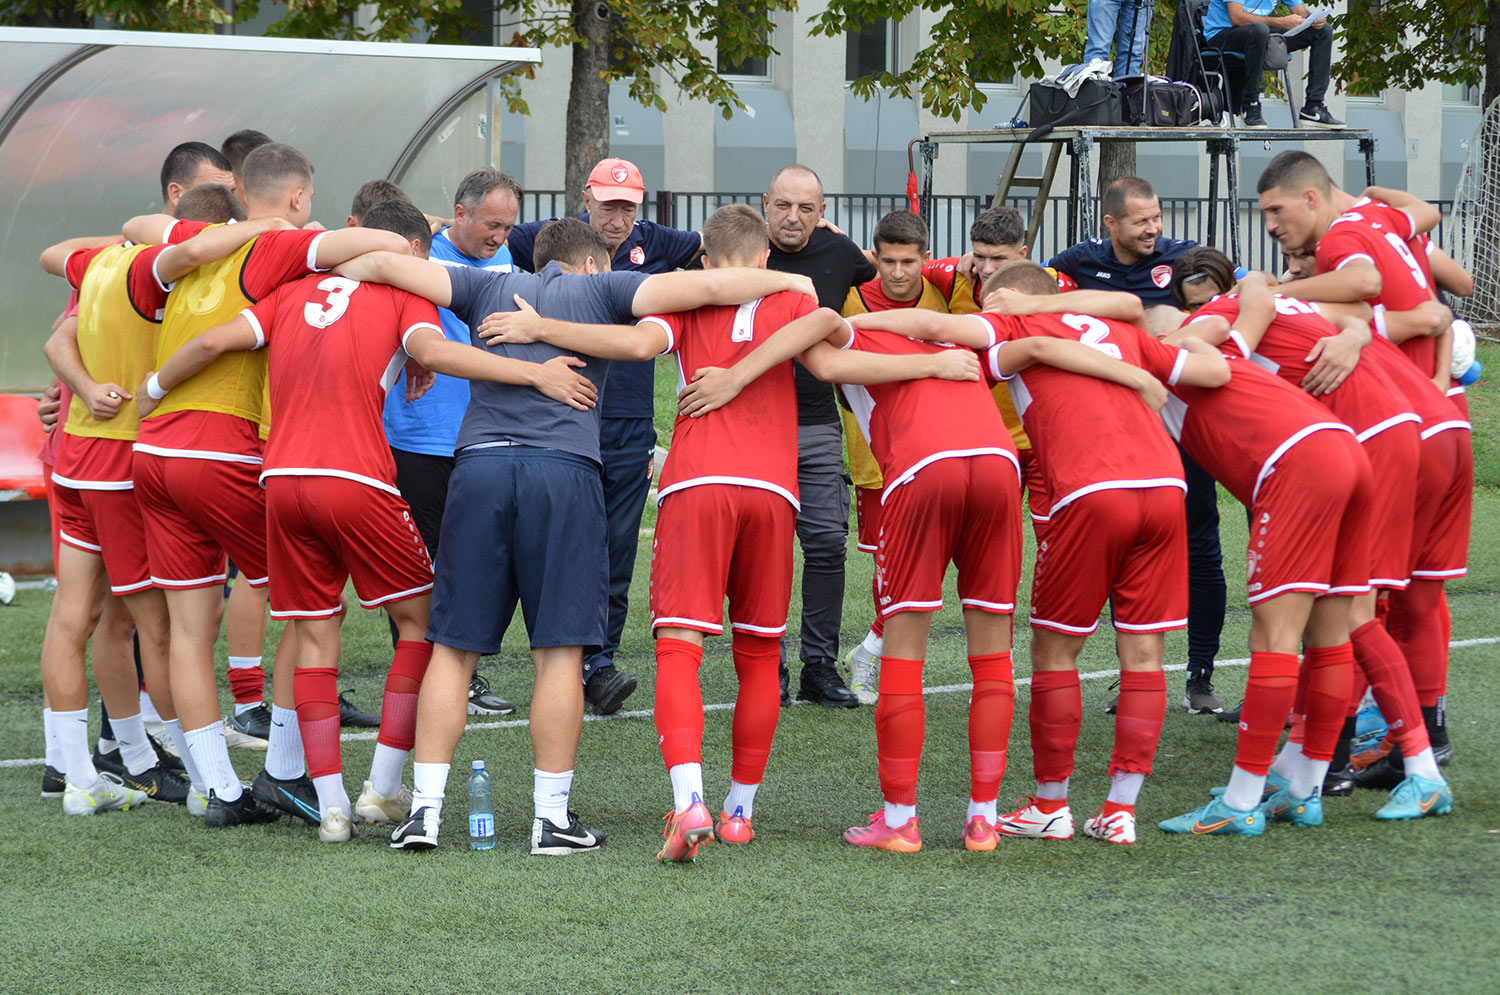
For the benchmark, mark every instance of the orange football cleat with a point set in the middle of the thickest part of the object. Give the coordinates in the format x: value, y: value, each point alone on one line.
x: 734, y: 828
x: 685, y: 832
x: 879, y: 836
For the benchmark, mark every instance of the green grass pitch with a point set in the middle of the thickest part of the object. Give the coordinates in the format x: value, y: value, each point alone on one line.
x: 148, y: 901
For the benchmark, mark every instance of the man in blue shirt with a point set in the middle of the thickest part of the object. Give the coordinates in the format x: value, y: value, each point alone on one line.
x: 612, y: 199
x: 1245, y: 26
x: 1137, y: 259
x: 423, y: 433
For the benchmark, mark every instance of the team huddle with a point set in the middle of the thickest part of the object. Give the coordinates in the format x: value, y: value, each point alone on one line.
x: 234, y: 370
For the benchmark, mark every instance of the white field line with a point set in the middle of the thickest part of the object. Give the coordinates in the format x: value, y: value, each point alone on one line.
x: 645, y: 713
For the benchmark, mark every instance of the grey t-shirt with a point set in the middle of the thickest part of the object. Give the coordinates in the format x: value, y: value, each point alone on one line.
x: 510, y: 413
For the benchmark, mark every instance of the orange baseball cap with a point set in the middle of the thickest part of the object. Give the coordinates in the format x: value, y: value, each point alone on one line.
x: 616, y: 179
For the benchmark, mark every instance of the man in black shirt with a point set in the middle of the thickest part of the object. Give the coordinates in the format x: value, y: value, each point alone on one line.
x: 793, y: 205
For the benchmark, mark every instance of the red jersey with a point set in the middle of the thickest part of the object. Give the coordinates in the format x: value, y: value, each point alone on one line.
x: 148, y: 295
x: 1432, y: 407
x: 1383, y: 236
x: 336, y: 346
x: 912, y: 423
x: 1367, y: 401
x: 752, y: 440
x: 1090, y: 434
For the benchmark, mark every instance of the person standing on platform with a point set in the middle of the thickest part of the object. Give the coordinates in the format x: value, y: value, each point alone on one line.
x: 1123, y: 24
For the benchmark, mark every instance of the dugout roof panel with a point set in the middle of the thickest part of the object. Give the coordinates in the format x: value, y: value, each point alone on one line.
x: 86, y: 118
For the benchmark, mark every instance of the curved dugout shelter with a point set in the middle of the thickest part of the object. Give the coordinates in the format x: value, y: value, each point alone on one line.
x: 86, y: 118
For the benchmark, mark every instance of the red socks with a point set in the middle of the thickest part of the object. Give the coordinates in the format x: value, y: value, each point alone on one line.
x: 900, y: 723
x: 1270, y: 690
x: 679, y: 702
x: 398, y: 709
x: 316, y: 693
x: 1138, y: 719
x: 1417, y: 621
x: 991, y: 709
x: 247, y: 684
x: 757, y: 662
x: 1330, y: 679
x: 1390, y: 681
x: 1056, y: 714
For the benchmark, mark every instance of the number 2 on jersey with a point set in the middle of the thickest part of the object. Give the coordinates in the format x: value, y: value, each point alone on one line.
x: 1095, y: 333
x: 339, y: 288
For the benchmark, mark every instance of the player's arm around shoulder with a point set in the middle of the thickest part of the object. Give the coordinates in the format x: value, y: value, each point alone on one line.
x: 1016, y: 355
x: 399, y: 269
x: 242, y: 333
x: 713, y: 387
x: 557, y: 378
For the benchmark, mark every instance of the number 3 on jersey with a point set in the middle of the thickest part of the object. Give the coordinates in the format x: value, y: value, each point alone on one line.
x: 1095, y: 333
x: 339, y: 288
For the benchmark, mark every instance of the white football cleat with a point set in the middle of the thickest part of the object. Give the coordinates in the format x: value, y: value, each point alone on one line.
x: 336, y: 827
x: 107, y: 793
x: 1116, y: 828
x: 864, y: 674
x: 1030, y: 822
x: 378, y: 810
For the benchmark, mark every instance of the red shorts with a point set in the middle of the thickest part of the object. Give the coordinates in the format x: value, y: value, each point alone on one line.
x: 322, y: 531
x: 1395, y: 456
x: 1445, y: 505
x: 966, y: 510
x: 195, y: 511
x: 1310, y: 524
x: 1131, y: 542
x: 1038, y: 503
x: 107, y: 524
x: 53, y: 519
x: 867, y: 516
x: 717, y: 541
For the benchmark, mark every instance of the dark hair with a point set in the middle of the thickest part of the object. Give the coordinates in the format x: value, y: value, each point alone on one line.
x: 900, y: 227
x: 1197, y: 264
x: 181, y: 164
x: 734, y: 232
x: 401, y: 217
x: 268, y: 169
x: 998, y: 226
x: 372, y: 193
x: 477, y: 185
x: 569, y: 241
x: 241, y: 144
x: 1117, y: 192
x: 1023, y: 275
x: 211, y: 202
x: 1294, y: 172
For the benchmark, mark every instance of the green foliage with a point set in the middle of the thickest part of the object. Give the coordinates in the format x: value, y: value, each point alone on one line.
x: 137, y: 15
x: 1407, y: 44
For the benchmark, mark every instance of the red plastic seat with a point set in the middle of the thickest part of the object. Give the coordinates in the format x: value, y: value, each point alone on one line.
x: 21, y: 436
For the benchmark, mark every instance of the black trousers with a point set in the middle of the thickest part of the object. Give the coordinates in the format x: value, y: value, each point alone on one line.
x: 1249, y: 40
x: 1207, y: 591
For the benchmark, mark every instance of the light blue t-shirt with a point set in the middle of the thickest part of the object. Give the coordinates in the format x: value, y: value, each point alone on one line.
x: 429, y: 425
x: 1218, y: 13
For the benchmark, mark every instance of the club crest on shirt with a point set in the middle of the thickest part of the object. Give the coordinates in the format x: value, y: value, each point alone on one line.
x: 1161, y: 275
x: 637, y: 255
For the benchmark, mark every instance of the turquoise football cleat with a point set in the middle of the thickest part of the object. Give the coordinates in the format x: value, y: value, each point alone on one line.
x: 1303, y: 812
x: 1274, y: 783
x: 1216, y: 819
x: 1415, y: 797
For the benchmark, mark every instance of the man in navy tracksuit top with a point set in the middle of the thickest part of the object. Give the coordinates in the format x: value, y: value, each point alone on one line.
x: 627, y: 439
x: 1137, y: 259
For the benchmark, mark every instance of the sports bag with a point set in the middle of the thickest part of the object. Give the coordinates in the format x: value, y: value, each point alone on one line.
x: 1097, y: 104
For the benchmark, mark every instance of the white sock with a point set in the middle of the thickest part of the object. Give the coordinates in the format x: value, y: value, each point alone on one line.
x: 1244, y: 789
x: 1125, y: 788
x: 179, y: 740
x: 897, y: 816
x: 1424, y: 764
x: 987, y: 809
x: 148, y: 710
x: 212, y: 756
x: 873, y: 644
x: 1307, y: 779
x: 1287, y: 760
x: 1053, y: 791
x: 429, y: 782
x: 73, y: 739
x: 331, y: 794
x: 135, y: 748
x: 742, y: 797
x: 107, y: 745
x: 54, y: 748
x: 549, y: 795
x: 385, y: 770
x: 240, y: 663
x: 687, y: 781
x: 284, y: 757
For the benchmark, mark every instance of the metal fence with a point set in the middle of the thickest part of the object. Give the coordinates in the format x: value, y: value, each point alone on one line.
x: 951, y: 216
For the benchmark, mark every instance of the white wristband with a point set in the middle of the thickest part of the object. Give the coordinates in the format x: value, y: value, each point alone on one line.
x: 154, y: 388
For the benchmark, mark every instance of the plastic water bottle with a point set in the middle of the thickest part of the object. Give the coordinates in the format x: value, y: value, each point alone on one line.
x: 481, y: 809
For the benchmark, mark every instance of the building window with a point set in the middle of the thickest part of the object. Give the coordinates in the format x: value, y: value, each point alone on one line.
x: 871, y: 48
x: 1461, y: 93
x: 750, y: 68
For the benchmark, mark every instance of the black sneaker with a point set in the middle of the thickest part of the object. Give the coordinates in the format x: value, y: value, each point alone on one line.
x: 159, y: 785
x: 53, y: 782
x: 166, y: 760
x: 1231, y: 714
x: 1384, y: 774
x: 607, y: 690
x: 1199, y: 698
x: 255, y: 722
x: 1338, y: 781
x: 109, y: 762
x: 418, y: 832
x: 243, y: 811
x: 351, y: 714
x: 1317, y: 116
x: 1253, y: 117
x: 822, y: 685
x: 551, y: 840
x: 295, y: 796
x: 786, y: 686
x: 1435, y: 717
x: 483, y: 701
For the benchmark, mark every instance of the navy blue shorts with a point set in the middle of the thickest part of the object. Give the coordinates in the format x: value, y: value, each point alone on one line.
x: 521, y: 525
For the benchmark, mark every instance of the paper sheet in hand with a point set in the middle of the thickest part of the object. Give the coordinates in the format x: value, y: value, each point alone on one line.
x: 1313, y: 17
